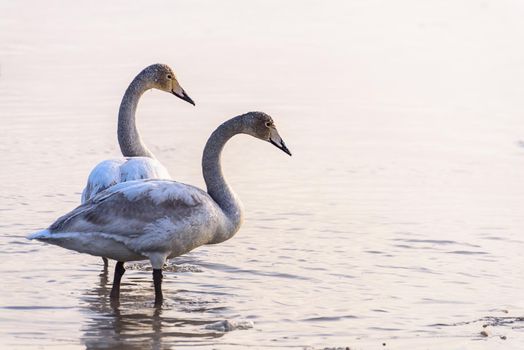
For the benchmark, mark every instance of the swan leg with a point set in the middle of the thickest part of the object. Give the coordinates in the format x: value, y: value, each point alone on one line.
x: 158, y: 259
x: 157, y: 279
x: 106, y: 262
x: 103, y: 276
x: 119, y: 272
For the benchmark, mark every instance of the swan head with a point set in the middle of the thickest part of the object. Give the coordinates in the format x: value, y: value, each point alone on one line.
x: 261, y: 126
x: 162, y: 77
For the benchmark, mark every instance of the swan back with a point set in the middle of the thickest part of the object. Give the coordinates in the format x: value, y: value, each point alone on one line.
x: 113, y: 171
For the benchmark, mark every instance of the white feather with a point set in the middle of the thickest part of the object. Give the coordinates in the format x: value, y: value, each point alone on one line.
x: 114, y: 171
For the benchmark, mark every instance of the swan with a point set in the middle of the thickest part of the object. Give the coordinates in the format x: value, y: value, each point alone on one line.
x: 158, y: 219
x: 139, y: 161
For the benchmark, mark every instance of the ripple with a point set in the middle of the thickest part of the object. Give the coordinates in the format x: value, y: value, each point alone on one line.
x: 442, y: 242
x: 467, y: 252
x: 236, y: 270
x: 167, y: 268
x: 228, y: 326
x: 328, y: 318
x: 386, y: 329
x: 36, y: 307
x: 442, y: 301
x: 493, y: 321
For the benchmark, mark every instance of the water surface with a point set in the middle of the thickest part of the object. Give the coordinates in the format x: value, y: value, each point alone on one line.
x: 397, y: 221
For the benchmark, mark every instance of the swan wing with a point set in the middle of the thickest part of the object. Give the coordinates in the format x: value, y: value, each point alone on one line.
x: 113, y: 171
x: 145, y: 215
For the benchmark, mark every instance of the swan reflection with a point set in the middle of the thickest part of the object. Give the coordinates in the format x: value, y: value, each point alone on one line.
x: 134, y: 323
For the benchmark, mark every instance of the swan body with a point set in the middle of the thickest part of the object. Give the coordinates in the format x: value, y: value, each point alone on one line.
x: 160, y: 219
x: 139, y: 162
x: 137, y: 220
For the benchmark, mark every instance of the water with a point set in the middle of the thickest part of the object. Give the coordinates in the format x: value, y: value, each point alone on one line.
x: 397, y: 221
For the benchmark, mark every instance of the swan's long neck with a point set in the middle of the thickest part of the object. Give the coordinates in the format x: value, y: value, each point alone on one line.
x: 128, y: 136
x: 217, y: 186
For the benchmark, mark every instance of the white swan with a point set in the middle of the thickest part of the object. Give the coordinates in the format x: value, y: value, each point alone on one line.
x: 139, y: 163
x: 161, y: 219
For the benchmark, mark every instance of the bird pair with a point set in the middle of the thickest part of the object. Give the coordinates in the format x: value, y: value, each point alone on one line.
x: 131, y: 209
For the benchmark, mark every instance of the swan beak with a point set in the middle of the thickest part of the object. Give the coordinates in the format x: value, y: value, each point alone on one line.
x: 277, y: 141
x: 182, y: 95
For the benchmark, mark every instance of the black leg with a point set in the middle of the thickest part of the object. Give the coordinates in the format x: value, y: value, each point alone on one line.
x: 119, y: 272
x: 104, y: 277
x: 106, y: 263
x: 157, y: 279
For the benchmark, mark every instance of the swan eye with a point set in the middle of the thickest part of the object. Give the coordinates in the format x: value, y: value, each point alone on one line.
x: 169, y: 76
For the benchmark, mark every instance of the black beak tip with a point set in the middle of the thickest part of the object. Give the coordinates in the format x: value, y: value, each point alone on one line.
x: 184, y: 97
x: 282, y: 146
x: 188, y: 99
